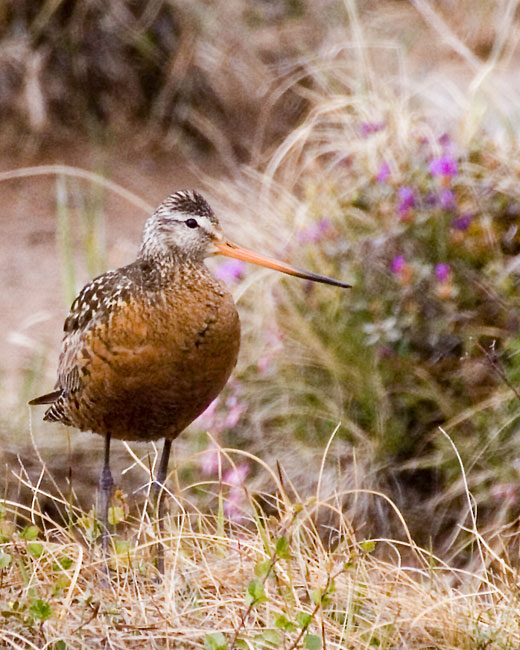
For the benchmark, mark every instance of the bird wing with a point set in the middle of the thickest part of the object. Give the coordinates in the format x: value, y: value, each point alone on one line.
x: 82, y: 315
x: 91, y: 307
x: 48, y: 398
x: 92, y: 300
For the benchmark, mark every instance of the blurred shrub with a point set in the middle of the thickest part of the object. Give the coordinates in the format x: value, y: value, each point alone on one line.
x: 428, y: 336
x: 198, y: 69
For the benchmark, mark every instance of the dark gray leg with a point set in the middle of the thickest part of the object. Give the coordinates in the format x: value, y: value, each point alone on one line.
x: 106, y: 483
x: 158, y: 489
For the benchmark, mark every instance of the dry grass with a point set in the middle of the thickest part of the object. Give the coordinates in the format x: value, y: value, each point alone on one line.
x: 259, y: 581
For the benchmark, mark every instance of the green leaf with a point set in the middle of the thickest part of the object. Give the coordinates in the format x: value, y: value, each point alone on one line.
x: 215, y: 641
x: 255, y: 593
x: 59, y: 645
x: 368, y: 545
x: 123, y: 546
x: 303, y: 619
x: 64, y: 562
x: 30, y: 533
x: 116, y: 515
x: 262, y: 569
x: 40, y: 609
x: 241, y: 644
x: 312, y: 642
x: 316, y: 595
x: 282, y: 622
x: 272, y: 637
x: 62, y: 582
x: 6, y: 531
x: 5, y: 560
x: 35, y: 548
x: 282, y: 548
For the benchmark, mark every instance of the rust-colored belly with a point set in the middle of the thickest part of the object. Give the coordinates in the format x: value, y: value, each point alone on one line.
x: 156, y: 363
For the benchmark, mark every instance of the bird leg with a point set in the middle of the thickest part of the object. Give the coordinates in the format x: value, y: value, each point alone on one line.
x: 106, y: 483
x: 158, y: 490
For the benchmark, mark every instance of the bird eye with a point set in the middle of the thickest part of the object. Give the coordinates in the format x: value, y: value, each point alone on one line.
x: 191, y: 223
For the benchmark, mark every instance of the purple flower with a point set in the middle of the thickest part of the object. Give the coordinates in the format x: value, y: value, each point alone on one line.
x: 315, y: 231
x: 235, y: 412
x: 431, y: 199
x: 383, y: 173
x: 210, y: 460
x: 398, y: 264
x: 446, y: 141
x: 208, y: 418
x: 442, y: 272
x: 235, y: 476
x: 462, y: 222
x: 406, y: 198
x: 444, y: 166
x: 447, y: 199
x: 230, y: 271
x: 232, y: 504
x: 264, y: 362
x: 402, y: 269
x: 368, y: 128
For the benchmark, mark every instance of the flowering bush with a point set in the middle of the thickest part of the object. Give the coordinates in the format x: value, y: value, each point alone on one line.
x: 428, y: 335
x: 425, y: 337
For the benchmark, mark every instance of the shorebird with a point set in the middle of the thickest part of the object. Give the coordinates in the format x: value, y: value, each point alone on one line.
x: 148, y: 346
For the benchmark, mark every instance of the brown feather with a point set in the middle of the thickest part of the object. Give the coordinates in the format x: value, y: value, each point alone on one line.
x: 48, y: 398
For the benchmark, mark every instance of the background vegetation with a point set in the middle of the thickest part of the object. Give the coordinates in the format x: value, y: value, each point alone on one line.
x: 356, y: 484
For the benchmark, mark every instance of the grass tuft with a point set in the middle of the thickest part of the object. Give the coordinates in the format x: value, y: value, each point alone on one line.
x: 258, y: 579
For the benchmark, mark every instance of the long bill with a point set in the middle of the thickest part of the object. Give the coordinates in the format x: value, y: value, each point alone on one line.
x: 230, y: 249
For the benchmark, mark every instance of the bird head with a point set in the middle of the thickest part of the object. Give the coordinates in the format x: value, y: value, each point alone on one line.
x: 185, y: 227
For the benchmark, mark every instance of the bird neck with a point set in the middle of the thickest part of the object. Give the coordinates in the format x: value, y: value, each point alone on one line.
x: 160, y: 270
x: 161, y: 250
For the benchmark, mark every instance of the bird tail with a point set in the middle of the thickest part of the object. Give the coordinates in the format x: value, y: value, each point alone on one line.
x: 48, y: 398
